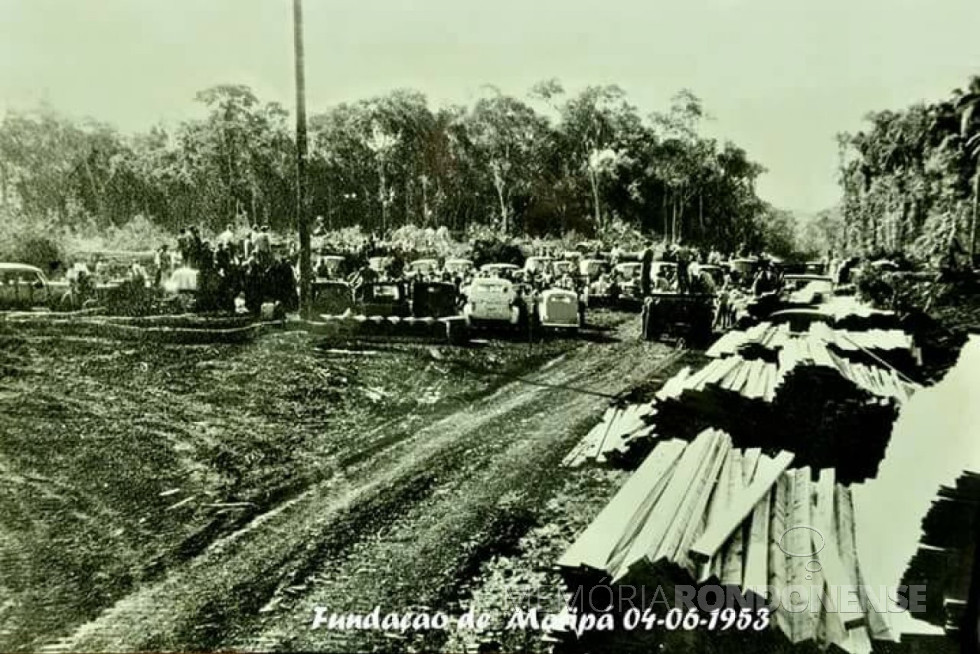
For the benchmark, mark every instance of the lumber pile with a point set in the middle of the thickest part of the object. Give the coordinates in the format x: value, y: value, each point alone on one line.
x: 838, y: 415
x: 610, y: 440
x: 829, y: 411
x: 706, y: 513
x: 882, y: 347
x: 947, y: 551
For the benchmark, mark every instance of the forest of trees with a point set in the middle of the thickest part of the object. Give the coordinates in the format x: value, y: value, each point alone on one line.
x: 547, y: 164
x: 910, y: 182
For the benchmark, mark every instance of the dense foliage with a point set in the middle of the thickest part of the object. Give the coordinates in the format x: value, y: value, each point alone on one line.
x: 910, y: 181
x: 548, y: 164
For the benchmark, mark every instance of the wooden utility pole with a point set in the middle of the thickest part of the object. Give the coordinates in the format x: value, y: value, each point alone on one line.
x: 976, y: 212
x: 302, y: 222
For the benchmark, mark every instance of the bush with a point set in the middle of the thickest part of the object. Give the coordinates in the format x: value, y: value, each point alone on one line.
x: 497, y: 251
x: 30, y: 241
x: 140, y: 234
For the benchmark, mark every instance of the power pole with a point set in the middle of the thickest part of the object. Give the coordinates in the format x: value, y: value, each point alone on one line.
x: 302, y: 222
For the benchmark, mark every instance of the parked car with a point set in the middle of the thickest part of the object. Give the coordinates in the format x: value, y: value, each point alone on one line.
x: 379, y: 264
x: 803, y: 290
x: 558, y: 308
x: 434, y: 299
x: 382, y: 299
x: 629, y: 270
x: 329, y: 267
x: 458, y: 266
x: 499, y: 269
x: 331, y: 296
x: 592, y: 268
x: 563, y: 267
x: 423, y: 267
x: 23, y: 287
x: 715, y: 273
x: 537, y: 265
x: 491, y: 300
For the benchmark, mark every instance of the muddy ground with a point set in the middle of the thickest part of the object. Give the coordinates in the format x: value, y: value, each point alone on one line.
x: 211, y: 497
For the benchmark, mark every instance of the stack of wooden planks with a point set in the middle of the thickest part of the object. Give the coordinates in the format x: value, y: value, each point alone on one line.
x: 807, y: 399
x: 883, y: 347
x: 609, y: 441
x: 705, y: 512
x: 947, y: 551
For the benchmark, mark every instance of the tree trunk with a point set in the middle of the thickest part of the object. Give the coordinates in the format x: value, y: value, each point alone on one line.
x: 673, y: 220
x: 3, y: 185
x: 383, y: 196
x: 701, y: 210
x: 594, y: 178
x: 504, y: 213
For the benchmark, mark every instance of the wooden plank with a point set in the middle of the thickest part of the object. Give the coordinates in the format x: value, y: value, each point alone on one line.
x: 717, y: 505
x: 757, y: 548
x: 717, y: 532
x: 719, y: 371
x: 750, y: 461
x: 698, y: 509
x: 798, y: 541
x: 595, y: 544
x: 691, y: 513
x: 838, y: 621
x: 781, y: 492
x: 647, y: 542
x: 730, y: 560
x: 877, y: 621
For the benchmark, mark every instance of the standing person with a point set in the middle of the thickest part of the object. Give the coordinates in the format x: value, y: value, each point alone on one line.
x: 163, y: 262
x: 683, y: 262
x: 263, y: 246
x: 184, y: 246
x: 194, y: 248
x: 646, y: 269
x: 226, y: 237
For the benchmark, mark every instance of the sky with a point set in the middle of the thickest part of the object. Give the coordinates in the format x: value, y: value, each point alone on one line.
x: 779, y: 77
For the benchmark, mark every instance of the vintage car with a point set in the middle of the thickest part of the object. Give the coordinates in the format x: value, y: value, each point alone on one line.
x: 806, y: 290
x: 592, y: 268
x: 587, y: 247
x: 558, y: 308
x: 379, y: 264
x: 629, y: 270
x: 684, y: 319
x: 491, y: 300
x: 423, y: 267
x: 563, y: 267
x: 540, y: 265
x: 23, y: 287
x: 458, y: 266
x: 744, y: 269
x: 434, y: 299
x: 382, y: 299
x: 715, y: 273
x: 329, y: 267
x: 331, y: 296
x: 499, y: 269
x: 182, y: 280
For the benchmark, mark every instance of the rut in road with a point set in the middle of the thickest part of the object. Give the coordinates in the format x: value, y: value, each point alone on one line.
x: 404, y: 528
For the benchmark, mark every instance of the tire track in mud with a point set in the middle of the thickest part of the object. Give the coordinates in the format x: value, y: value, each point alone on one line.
x: 405, y: 526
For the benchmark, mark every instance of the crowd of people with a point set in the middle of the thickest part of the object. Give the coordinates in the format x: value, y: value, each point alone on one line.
x: 248, y: 266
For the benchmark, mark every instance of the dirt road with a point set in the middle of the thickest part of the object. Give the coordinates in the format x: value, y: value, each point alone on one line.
x: 404, y: 526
